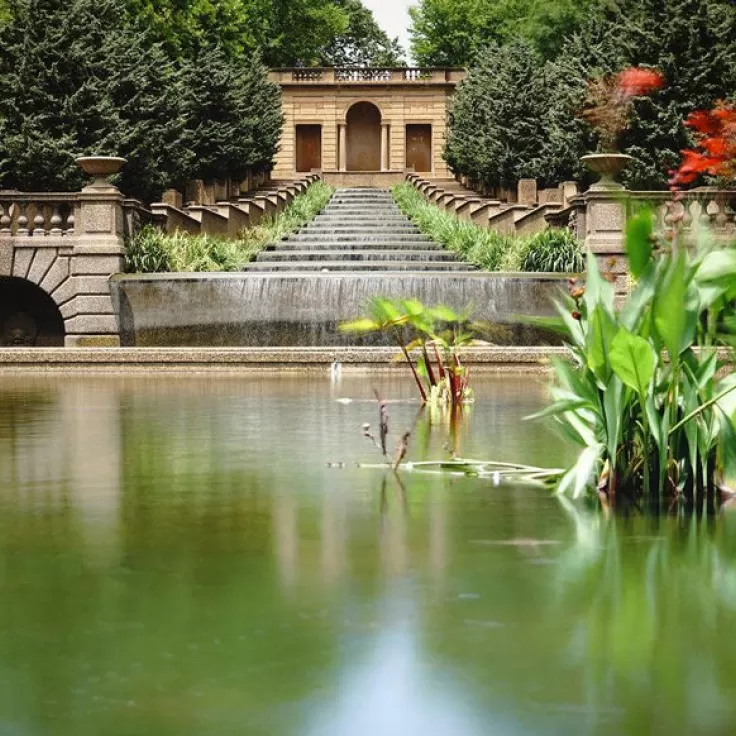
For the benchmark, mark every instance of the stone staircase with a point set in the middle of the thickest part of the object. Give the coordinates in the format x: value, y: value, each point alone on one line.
x: 358, y: 230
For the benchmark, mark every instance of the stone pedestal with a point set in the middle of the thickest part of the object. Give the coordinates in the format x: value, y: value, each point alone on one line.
x: 605, y: 233
x: 98, y: 252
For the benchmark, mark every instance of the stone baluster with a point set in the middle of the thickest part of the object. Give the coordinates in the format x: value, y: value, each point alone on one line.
x: 56, y: 221
x: 5, y: 220
x: 39, y: 222
x: 22, y: 229
x: 70, y: 221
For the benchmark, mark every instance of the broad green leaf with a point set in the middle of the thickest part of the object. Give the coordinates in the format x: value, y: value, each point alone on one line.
x: 598, y: 291
x: 719, y: 266
x: 413, y: 307
x: 583, y: 474
x: 444, y: 313
x: 613, y: 400
x: 728, y: 447
x: 639, y: 231
x: 669, y: 306
x: 640, y: 300
x: 360, y: 325
x: 601, y: 331
x: 633, y: 360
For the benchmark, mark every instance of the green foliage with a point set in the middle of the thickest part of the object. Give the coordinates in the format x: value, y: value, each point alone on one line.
x: 80, y: 78
x: 451, y: 32
x: 552, y: 250
x: 497, y: 143
x: 304, y: 32
x: 643, y: 397
x: 439, y: 333
x: 231, y: 117
x: 514, y: 118
x: 153, y: 251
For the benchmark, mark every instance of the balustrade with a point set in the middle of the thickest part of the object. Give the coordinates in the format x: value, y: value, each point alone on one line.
x: 360, y: 74
x: 306, y: 75
x: 37, y: 215
x: 711, y: 209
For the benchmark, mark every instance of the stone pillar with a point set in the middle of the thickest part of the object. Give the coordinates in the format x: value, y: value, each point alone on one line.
x: 605, y: 232
x: 98, y: 252
x: 527, y: 191
x: 342, y: 146
x: 384, y: 147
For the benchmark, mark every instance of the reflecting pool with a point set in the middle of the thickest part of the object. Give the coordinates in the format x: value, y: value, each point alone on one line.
x: 201, y: 555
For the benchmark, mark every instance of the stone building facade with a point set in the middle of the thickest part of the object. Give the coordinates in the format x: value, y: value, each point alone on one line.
x: 364, y: 125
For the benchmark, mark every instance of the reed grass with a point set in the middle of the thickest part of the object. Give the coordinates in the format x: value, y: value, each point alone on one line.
x: 153, y: 251
x: 551, y: 251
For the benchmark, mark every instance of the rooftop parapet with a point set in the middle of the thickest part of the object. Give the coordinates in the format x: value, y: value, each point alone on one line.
x: 366, y: 75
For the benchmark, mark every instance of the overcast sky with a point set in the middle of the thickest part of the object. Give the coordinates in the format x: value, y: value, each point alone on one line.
x: 393, y: 17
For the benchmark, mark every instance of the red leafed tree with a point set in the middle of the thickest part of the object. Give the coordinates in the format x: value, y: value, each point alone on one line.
x: 715, y: 133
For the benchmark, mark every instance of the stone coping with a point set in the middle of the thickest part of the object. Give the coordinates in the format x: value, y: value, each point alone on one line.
x: 224, y: 275
x: 496, y: 359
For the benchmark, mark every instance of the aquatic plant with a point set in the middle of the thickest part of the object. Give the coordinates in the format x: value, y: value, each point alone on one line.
x: 153, y: 251
x: 438, y: 333
x: 644, y: 395
x: 553, y: 250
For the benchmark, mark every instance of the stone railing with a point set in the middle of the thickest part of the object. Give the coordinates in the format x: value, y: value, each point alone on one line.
x: 369, y: 75
x: 705, y: 208
x: 37, y: 215
x: 307, y: 75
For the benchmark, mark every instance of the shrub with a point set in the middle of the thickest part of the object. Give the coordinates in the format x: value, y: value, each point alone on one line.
x: 153, y: 251
x: 552, y: 250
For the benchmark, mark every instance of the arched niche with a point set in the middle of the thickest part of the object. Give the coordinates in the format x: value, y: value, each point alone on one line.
x: 29, y: 317
x: 363, y: 137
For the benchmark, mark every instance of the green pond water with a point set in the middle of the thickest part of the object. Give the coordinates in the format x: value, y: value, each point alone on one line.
x: 176, y: 557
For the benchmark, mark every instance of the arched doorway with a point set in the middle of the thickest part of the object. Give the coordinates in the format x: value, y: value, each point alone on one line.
x: 29, y: 317
x: 364, y: 137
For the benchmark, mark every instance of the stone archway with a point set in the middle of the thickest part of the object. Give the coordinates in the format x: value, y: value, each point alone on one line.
x: 364, y: 137
x: 29, y: 317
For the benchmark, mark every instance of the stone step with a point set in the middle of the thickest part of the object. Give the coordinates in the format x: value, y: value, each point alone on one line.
x: 365, y: 229
x: 306, y: 236
x: 360, y: 218
x: 375, y: 204
x: 437, y: 256
x: 285, y: 245
x: 357, y: 207
x: 384, y: 266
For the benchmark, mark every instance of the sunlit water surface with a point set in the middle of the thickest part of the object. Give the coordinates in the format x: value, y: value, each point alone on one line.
x: 176, y: 557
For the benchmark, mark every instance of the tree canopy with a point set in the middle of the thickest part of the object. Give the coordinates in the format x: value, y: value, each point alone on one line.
x: 298, y: 32
x: 496, y: 137
x: 452, y: 32
x: 177, y: 87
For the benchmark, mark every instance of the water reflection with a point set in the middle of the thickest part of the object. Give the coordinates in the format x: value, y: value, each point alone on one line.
x: 177, y: 558
x: 651, y: 602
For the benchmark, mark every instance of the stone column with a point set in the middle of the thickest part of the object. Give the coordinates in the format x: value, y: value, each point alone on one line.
x: 98, y: 252
x: 384, y: 147
x: 605, y: 232
x: 342, y: 146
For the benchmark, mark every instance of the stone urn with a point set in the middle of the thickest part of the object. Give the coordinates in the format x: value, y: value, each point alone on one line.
x: 100, y: 167
x: 609, y: 166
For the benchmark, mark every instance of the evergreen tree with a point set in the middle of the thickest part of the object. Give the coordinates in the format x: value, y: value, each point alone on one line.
x: 692, y: 42
x: 76, y: 77
x: 497, y: 116
x: 231, y: 116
